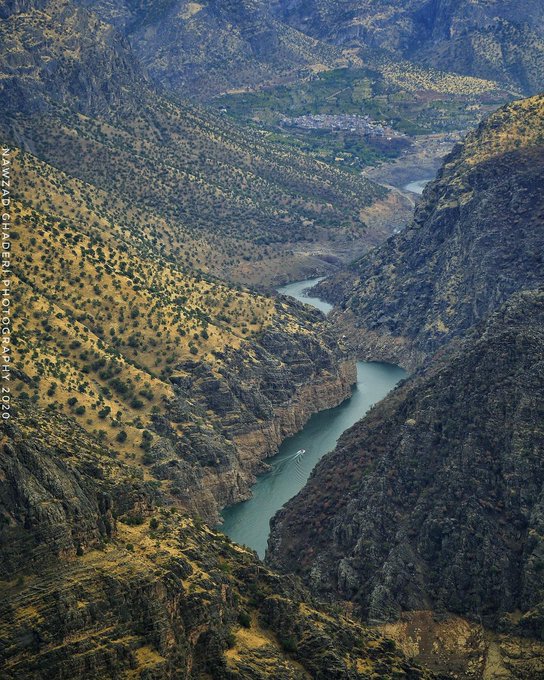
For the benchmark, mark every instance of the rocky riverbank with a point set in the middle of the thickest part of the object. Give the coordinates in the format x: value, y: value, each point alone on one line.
x: 434, y: 501
x: 324, y: 393
x: 250, y: 407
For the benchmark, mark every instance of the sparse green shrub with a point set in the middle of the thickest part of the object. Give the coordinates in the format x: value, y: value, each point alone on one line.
x: 244, y: 619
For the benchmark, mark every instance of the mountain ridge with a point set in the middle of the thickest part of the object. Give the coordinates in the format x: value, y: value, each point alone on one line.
x: 433, y: 500
x: 207, y: 48
x: 202, y: 173
x: 426, y: 516
x: 476, y: 238
x: 489, y: 40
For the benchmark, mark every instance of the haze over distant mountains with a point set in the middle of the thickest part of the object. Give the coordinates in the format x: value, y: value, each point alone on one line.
x: 203, y: 48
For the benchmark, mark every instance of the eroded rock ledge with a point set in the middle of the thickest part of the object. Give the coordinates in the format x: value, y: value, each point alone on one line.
x: 98, y: 579
x: 222, y: 425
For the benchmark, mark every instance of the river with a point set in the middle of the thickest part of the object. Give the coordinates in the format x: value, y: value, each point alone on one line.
x: 299, y: 291
x: 417, y: 186
x: 248, y: 523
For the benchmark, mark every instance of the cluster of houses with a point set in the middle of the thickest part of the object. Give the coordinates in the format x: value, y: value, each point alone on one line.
x: 362, y: 125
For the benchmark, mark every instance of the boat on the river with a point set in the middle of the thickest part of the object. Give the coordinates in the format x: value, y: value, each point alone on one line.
x: 300, y: 452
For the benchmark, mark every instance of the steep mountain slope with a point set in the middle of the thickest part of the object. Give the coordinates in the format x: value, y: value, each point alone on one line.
x: 492, y: 40
x: 101, y: 579
x: 476, y: 238
x: 194, y: 380
x: 208, y: 192
x: 205, y: 48
x: 143, y: 388
x: 434, y: 501
x: 198, y: 380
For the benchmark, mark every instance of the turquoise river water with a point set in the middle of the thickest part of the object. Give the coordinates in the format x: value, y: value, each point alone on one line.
x: 248, y: 522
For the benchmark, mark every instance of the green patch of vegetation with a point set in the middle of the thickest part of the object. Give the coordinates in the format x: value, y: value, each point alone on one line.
x: 426, y: 102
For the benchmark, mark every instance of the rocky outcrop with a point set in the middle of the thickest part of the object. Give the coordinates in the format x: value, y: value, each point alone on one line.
x: 488, y: 40
x: 61, y: 65
x: 100, y: 579
x: 208, y: 48
x: 434, y: 500
x: 255, y: 405
x: 476, y: 238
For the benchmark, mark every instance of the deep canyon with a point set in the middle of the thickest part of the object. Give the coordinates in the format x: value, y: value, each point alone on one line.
x: 169, y: 169
x: 248, y: 523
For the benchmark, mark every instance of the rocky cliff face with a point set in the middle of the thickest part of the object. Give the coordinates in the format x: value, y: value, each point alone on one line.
x: 203, y: 49
x: 101, y: 579
x: 429, y: 509
x: 254, y: 405
x: 475, y: 239
x: 485, y: 39
x: 434, y: 500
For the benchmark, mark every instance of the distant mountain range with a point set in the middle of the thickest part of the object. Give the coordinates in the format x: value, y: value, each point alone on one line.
x: 200, y: 49
x: 502, y: 41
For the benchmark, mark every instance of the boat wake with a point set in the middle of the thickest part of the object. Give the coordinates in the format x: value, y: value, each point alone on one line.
x: 294, y: 460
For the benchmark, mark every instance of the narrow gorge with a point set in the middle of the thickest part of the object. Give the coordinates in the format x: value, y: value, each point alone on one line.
x: 427, y: 514
x: 248, y: 523
x: 273, y: 340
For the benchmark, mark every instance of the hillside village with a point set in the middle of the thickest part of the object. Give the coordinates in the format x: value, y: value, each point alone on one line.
x: 356, y: 124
